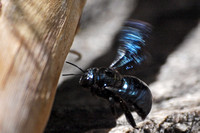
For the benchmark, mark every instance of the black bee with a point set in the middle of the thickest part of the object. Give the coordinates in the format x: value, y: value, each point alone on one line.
x: 129, y: 91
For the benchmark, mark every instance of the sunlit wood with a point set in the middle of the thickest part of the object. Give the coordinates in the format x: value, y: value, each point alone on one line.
x: 35, y: 37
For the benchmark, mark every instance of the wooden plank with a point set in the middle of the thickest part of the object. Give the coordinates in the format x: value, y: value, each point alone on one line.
x: 35, y: 37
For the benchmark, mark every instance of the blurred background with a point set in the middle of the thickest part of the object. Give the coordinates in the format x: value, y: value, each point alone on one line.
x: 172, y: 70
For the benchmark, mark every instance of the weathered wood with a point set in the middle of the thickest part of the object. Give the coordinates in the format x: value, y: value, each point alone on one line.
x: 35, y: 37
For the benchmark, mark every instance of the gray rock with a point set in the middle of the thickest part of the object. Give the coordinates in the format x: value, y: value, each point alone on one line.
x: 173, y: 72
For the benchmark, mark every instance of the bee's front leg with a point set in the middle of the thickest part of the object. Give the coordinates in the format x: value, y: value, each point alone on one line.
x: 112, y: 105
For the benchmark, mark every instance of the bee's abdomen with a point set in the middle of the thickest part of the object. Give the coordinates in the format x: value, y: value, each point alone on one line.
x: 137, y: 94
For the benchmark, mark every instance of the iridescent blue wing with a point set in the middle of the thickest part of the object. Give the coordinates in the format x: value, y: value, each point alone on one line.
x: 132, y: 41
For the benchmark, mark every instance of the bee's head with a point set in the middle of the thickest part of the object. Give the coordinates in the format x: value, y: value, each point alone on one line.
x: 88, y: 78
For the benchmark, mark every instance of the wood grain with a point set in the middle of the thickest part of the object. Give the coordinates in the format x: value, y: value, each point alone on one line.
x: 35, y: 37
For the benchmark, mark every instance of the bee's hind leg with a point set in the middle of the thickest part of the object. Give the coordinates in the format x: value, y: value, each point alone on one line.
x: 128, y: 114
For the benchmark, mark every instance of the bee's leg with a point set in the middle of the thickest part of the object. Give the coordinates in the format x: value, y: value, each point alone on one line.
x: 128, y: 114
x: 112, y: 105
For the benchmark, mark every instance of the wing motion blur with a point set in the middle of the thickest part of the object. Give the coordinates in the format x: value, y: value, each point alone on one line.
x: 132, y: 42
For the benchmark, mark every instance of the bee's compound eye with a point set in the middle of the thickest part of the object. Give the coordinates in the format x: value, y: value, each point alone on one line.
x: 89, y: 75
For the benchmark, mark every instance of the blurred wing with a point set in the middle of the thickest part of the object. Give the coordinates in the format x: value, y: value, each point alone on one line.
x: 132, y: 41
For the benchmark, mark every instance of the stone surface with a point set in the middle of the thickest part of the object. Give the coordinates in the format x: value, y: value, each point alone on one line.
x: 172, y: 71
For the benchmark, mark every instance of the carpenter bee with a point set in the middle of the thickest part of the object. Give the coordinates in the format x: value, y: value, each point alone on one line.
x: 128, y: 91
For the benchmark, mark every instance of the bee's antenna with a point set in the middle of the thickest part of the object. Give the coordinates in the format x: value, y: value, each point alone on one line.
x: 71, y: 74
x: 75, y: 66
